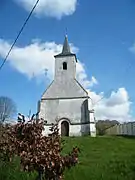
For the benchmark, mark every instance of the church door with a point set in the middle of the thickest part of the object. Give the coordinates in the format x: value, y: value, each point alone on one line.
x: 64, y: 128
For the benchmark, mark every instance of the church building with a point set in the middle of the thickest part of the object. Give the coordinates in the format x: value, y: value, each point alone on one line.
x: 65, y: 100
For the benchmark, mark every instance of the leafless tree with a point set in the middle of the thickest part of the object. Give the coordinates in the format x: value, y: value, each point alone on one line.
x: 7, y: 108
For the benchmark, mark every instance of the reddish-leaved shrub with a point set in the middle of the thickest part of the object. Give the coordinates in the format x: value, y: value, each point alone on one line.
x: 36, y: 151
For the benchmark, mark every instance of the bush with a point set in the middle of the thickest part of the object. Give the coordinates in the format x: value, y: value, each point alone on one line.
x: 36, y: 152
x: 11, y: 171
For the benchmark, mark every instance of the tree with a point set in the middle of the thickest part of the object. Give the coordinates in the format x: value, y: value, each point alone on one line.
x: 36, y: 151
x: 7, y: 108
x: 102, y: 125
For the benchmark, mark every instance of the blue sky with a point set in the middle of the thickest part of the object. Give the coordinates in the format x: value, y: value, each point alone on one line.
x: 102, y: 31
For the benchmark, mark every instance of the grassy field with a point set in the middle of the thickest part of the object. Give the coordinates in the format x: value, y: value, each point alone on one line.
x: 101, y: 158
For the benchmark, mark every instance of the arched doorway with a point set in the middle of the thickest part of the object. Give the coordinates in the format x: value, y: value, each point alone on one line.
x: 64, y: 128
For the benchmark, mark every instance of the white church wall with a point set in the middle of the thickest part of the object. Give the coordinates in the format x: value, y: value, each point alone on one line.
x: 64, y: 88
x: 92, y: 130
x: 92, y: 123
x: 46, y: 131
x: 71, y: 68
x: 71, y: 109
x: 65, y: 84
x: 41, y: 109
x: 75, y: 130
x: 50, y: 109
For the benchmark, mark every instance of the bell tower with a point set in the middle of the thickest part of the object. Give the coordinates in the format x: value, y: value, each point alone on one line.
x: 65, y: 63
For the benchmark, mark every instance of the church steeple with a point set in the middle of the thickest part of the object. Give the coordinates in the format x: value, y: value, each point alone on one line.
x: 66, y: 47
x: 66, y: 50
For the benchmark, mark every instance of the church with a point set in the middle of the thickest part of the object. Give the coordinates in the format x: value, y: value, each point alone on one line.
x: 65, y: 101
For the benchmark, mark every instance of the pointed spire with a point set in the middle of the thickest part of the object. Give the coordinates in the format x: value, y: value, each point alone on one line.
x: 66, y: 50
x: 66, y: 47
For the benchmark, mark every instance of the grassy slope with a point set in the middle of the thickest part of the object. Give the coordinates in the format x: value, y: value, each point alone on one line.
x: 107, y: 158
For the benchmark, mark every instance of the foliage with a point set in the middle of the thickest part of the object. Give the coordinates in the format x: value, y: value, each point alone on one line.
x: 11, y: 171
x: 37, y: 152
x: 7, y: 108
x: 102, y: 125
x: 101, y: 158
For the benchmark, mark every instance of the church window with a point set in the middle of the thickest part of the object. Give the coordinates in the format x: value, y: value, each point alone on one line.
x: 64, y: 66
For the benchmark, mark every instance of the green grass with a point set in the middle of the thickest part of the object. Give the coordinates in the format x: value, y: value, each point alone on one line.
x: 12, y: 171
x: 101, y: 158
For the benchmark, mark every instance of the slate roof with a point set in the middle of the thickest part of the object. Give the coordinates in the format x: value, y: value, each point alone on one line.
x: 66, y: 50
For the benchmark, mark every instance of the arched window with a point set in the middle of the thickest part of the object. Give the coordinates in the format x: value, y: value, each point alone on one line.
x: 64, y: 66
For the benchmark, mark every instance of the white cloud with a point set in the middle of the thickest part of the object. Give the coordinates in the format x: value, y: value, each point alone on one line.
x: 34, y: 58
x: 52, y: 8
x: 115, y: 107
x: 118, y: 98
x: 83, y: 78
